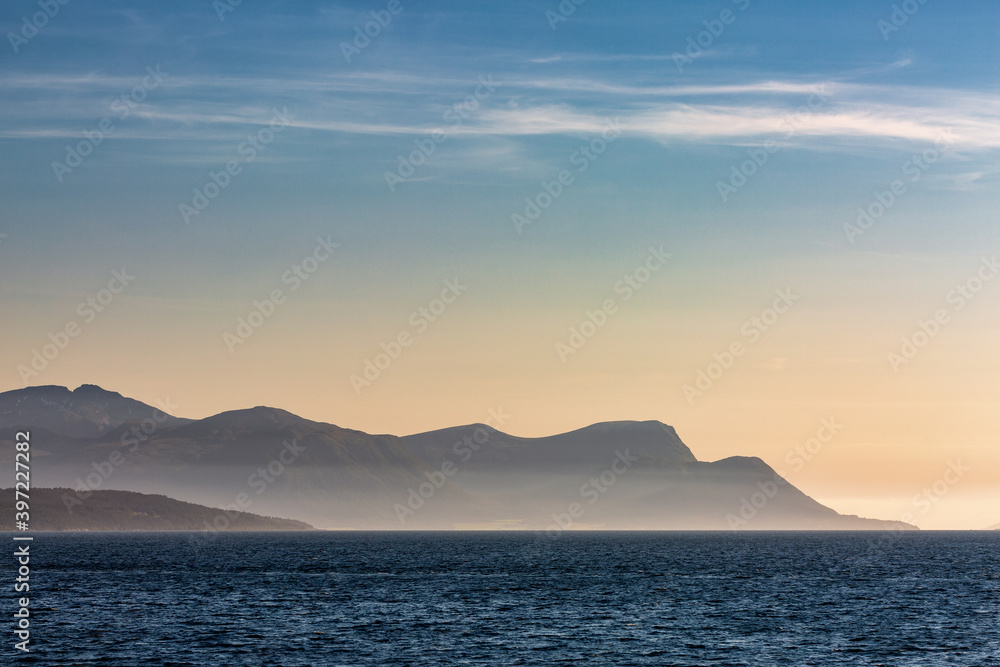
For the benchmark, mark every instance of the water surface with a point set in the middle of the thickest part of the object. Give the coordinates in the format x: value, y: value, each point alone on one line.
x: 289, y: 599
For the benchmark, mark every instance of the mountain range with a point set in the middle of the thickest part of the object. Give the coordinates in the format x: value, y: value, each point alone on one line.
x: 629, y: 475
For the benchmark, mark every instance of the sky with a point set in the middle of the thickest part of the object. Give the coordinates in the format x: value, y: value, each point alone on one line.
x: 772, y: 225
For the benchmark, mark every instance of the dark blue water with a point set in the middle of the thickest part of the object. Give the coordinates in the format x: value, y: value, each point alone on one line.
x: 516, y: 599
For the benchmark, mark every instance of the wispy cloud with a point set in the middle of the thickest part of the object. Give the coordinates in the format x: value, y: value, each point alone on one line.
x: 369, y: 104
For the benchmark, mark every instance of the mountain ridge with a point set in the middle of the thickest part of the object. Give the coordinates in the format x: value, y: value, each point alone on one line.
x: 625, y: 474
x: 87, y: 411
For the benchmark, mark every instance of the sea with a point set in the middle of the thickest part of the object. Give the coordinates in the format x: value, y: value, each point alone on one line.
x: 512, y: 598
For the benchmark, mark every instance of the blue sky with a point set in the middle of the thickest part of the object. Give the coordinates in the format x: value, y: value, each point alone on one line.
x: 879, y: 97
x: 684, y: 130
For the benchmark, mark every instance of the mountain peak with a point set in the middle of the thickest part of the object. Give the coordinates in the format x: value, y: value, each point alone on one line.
x: 41, y: 389
x: 261, y: 417
x: 632, y: 426
x: 593, y: 445
x: 93, y: 389
x: 650, y: 438
x: 86, y: 412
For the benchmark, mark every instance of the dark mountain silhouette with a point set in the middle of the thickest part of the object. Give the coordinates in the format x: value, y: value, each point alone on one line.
x: 287, y: 465
x: 63, y: 509
x: 620, y: 475
x: 86, y: 412
x: 663, y: 487
x: 583, y: 448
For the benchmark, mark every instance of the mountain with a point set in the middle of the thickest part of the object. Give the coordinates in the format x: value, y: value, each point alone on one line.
x: 286, y: 465
x: 622, y: 475
x: 583, y: 448
x: 86, y: 412
x: 61, y: 509
x: 615, y: 475
x: 995, y: 526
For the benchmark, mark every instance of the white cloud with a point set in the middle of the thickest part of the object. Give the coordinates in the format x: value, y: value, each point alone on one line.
x: 351, y: 103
